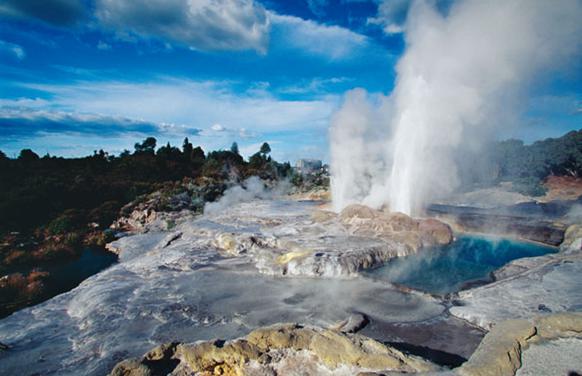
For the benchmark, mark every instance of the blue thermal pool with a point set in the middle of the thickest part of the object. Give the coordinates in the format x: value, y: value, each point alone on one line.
x: 468, y: 260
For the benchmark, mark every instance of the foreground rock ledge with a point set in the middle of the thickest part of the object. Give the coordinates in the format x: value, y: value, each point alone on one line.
x: 499, y: 354
x: 294, y: 349
x: 277, y: 350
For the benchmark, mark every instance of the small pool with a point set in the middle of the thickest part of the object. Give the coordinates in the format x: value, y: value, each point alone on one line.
x: 469, y: 259
x: 64, y: 275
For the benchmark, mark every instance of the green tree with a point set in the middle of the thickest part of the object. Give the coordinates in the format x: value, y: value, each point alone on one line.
x: 197, y: 154
x: 187, y: 148
x: 234, y: 148
x: 27, y: 155
x: 265, y: 149
x: 147, y: 146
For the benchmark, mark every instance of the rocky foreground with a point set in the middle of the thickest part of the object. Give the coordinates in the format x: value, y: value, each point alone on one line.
x: 239, y: 272
x: 292, y: 349
x: 285, y: 349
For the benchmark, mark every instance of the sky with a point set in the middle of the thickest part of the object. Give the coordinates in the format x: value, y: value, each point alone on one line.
x: 82, y: 75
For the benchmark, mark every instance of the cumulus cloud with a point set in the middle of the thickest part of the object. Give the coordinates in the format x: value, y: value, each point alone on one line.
x: 11, y: 49
x: 332, y: 42
x: 55, y: 12
x: 199, y: 24
x: 24, y: 123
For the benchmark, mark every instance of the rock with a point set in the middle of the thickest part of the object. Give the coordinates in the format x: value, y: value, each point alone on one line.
x: 572, y: 239
x: 414, y: 233
x: 355, y: 212
x: 505, y: 221
x: 359, y: 238
x: 559, y: 325
x: 219, y: 358
x: 266, y: 349
x: 551, y: 280
x: 556, y: 357
x: 321, y: 216
x: 500, y: 352
x: 313, y: 194
x: 352, y: 324
x: 4, y: 347
x: 227, y: 243
x: 131, y: 367
x: 161, y: 209
x: 435, y: 231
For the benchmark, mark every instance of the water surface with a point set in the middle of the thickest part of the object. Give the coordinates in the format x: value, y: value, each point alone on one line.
x: 469, y: 259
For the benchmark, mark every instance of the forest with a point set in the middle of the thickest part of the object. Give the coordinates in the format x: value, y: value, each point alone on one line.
x: 50, y: 205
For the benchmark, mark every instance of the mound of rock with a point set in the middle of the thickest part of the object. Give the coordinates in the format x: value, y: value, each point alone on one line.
x: 158, y: 211
x: 277, y: 350
x: 334, y: 245
x: 414, y: 233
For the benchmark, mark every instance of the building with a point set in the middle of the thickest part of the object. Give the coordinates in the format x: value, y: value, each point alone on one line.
x: 308, y: 166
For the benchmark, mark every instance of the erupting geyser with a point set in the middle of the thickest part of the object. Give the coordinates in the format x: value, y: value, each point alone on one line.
x: 462, y: 75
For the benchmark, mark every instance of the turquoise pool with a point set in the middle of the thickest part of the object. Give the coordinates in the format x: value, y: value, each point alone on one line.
x: 469, y: 259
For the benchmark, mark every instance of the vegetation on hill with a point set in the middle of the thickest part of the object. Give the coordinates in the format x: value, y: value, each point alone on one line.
x: 526, y: 166
x: 51, y: 207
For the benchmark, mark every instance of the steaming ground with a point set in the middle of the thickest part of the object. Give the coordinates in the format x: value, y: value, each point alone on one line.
x: 180, y: 285
x: 176, y: 286
x: 458, y: 85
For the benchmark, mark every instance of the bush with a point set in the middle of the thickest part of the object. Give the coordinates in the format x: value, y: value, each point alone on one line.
x: 65, y: 223
x: 529, y: 186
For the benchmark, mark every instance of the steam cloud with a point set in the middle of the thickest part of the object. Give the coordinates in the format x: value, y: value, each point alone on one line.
x: 461, y: 74
x: 251, y: 189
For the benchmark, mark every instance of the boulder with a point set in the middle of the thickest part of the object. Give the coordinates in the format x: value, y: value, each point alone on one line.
x: 353, y: 324
x: 321, y: 216
x: 414, y: 233
x: 355, y: 212
x: 265, y: 349
x: 500, y: 352
x: 572, y: 239
x: 435, y: 232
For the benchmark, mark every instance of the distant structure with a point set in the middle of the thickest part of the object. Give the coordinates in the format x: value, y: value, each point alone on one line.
x: 308, y: 166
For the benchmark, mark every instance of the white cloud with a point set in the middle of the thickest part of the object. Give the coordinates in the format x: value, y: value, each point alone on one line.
x: 12, y: 49
x: 27, y: 122
x: 199, y: 24
x: 217, y: 128
x: 317, y: 7
x: 103, y: 46
x: 56, y: 12
x: 197, y: 104
x: 391, y: 16
x: 315, y: 86
x: 333, y: 42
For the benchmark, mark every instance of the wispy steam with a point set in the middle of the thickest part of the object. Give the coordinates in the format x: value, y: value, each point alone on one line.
x: 251, y: 189
x: 461, y: 74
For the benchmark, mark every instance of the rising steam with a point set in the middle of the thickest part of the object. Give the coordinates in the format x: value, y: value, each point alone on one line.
x: 460, y: 77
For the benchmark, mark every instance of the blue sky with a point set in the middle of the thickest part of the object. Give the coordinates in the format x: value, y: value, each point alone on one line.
x: 80, y: 75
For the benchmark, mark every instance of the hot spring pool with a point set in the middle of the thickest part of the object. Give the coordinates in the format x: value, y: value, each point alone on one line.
x: 447, y: 269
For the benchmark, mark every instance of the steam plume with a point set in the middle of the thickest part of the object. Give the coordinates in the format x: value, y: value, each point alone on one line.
x: 460, y: 75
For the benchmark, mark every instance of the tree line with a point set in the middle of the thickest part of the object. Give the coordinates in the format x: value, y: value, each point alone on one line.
x: 35, y: 191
